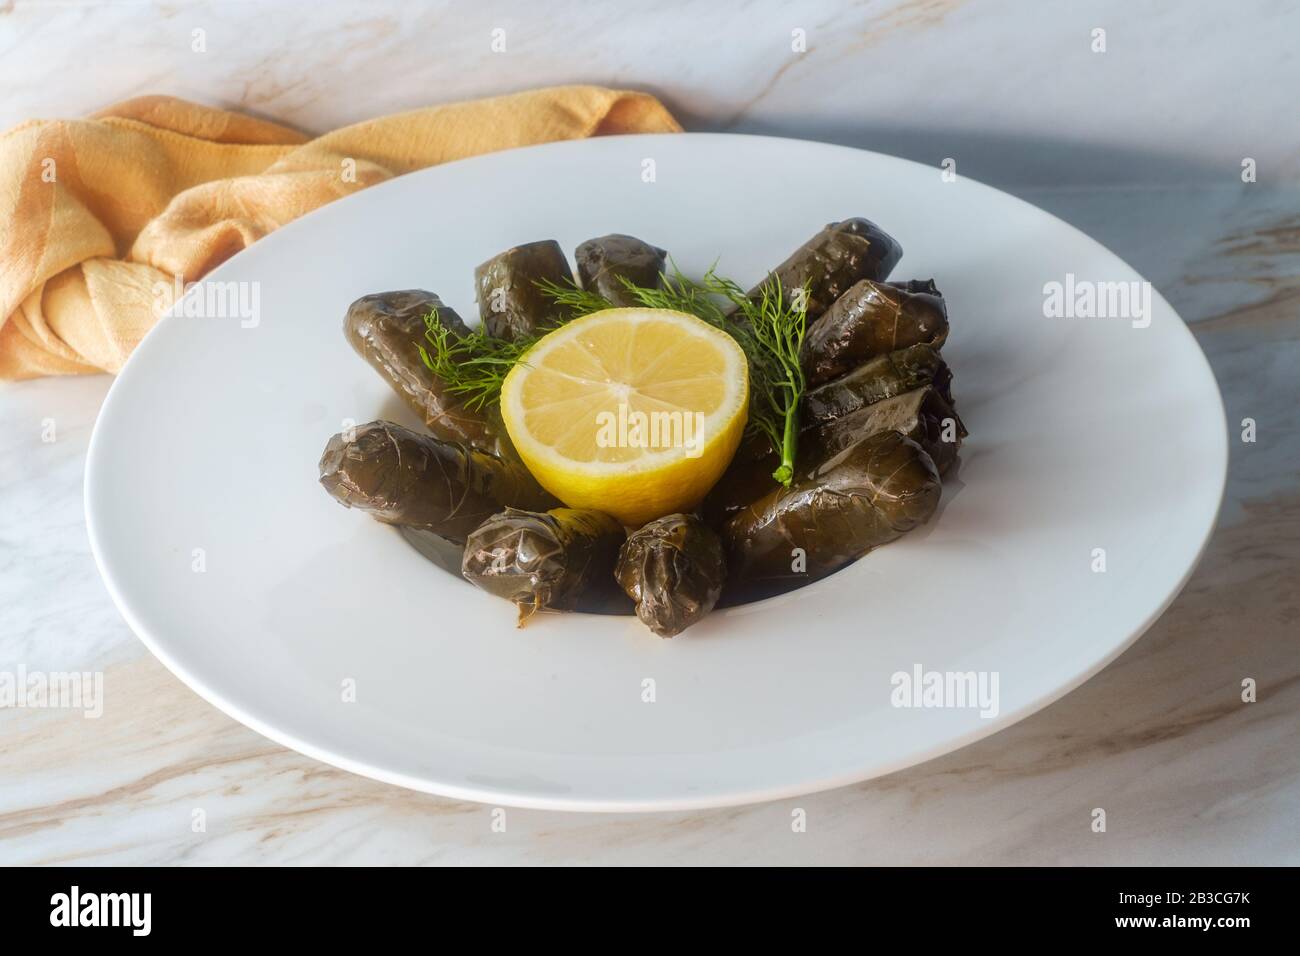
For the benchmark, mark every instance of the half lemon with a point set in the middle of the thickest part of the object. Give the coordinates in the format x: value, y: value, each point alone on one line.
x: 633, y: 412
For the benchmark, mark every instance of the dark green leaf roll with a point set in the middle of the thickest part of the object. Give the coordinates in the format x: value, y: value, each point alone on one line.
x: 550, y: 559
x: 604, y: 262
x: 387, y: 329
x: 921, y: 415
x: 866, y: 496
x: 401, y: 477
x: 870, y: 319
x: 673, y: 569
x: 509, y: 301
x: 839, y: 255
x: 874, y: 381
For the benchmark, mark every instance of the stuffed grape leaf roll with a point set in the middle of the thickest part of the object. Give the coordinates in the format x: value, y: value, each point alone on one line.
x: 865, y: 496
x: 387, y: 329
x: 673, y: 569
x: 510, y: 302
x: 921, y: 415
x: 749, y: 476
x: 870, y: 319
x: 604, y: 262
x: 928, y: 286
x: 874, y: 381
x: 841, y: 254
x: 401, y: 477
x: 549, y: 559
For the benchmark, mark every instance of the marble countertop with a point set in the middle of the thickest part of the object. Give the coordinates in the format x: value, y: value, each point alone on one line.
x: 1146, y: 163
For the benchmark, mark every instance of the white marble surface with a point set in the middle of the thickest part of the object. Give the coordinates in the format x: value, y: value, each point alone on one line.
x: 1140, y: 146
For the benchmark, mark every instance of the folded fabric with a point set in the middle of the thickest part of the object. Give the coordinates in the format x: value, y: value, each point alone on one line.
x: 102, y: 213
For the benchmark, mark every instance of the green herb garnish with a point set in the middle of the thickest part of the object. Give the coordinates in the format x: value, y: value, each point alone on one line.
x: 473, y: 365
x: 772, y: 335
x: 577, y: 301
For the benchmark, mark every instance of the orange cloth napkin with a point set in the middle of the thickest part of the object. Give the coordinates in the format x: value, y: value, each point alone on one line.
x: 100, y: 212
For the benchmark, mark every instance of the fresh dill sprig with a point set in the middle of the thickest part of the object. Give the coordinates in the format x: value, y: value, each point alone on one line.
x: 772, y: 334
x: 682, y: 295
x: 473, y: 366
x: 572, y: 299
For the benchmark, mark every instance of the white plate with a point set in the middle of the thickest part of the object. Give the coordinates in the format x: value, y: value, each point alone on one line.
x: 1085, y: 434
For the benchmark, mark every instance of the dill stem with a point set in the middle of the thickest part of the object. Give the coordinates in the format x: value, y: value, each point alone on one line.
x: 789, y: 445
